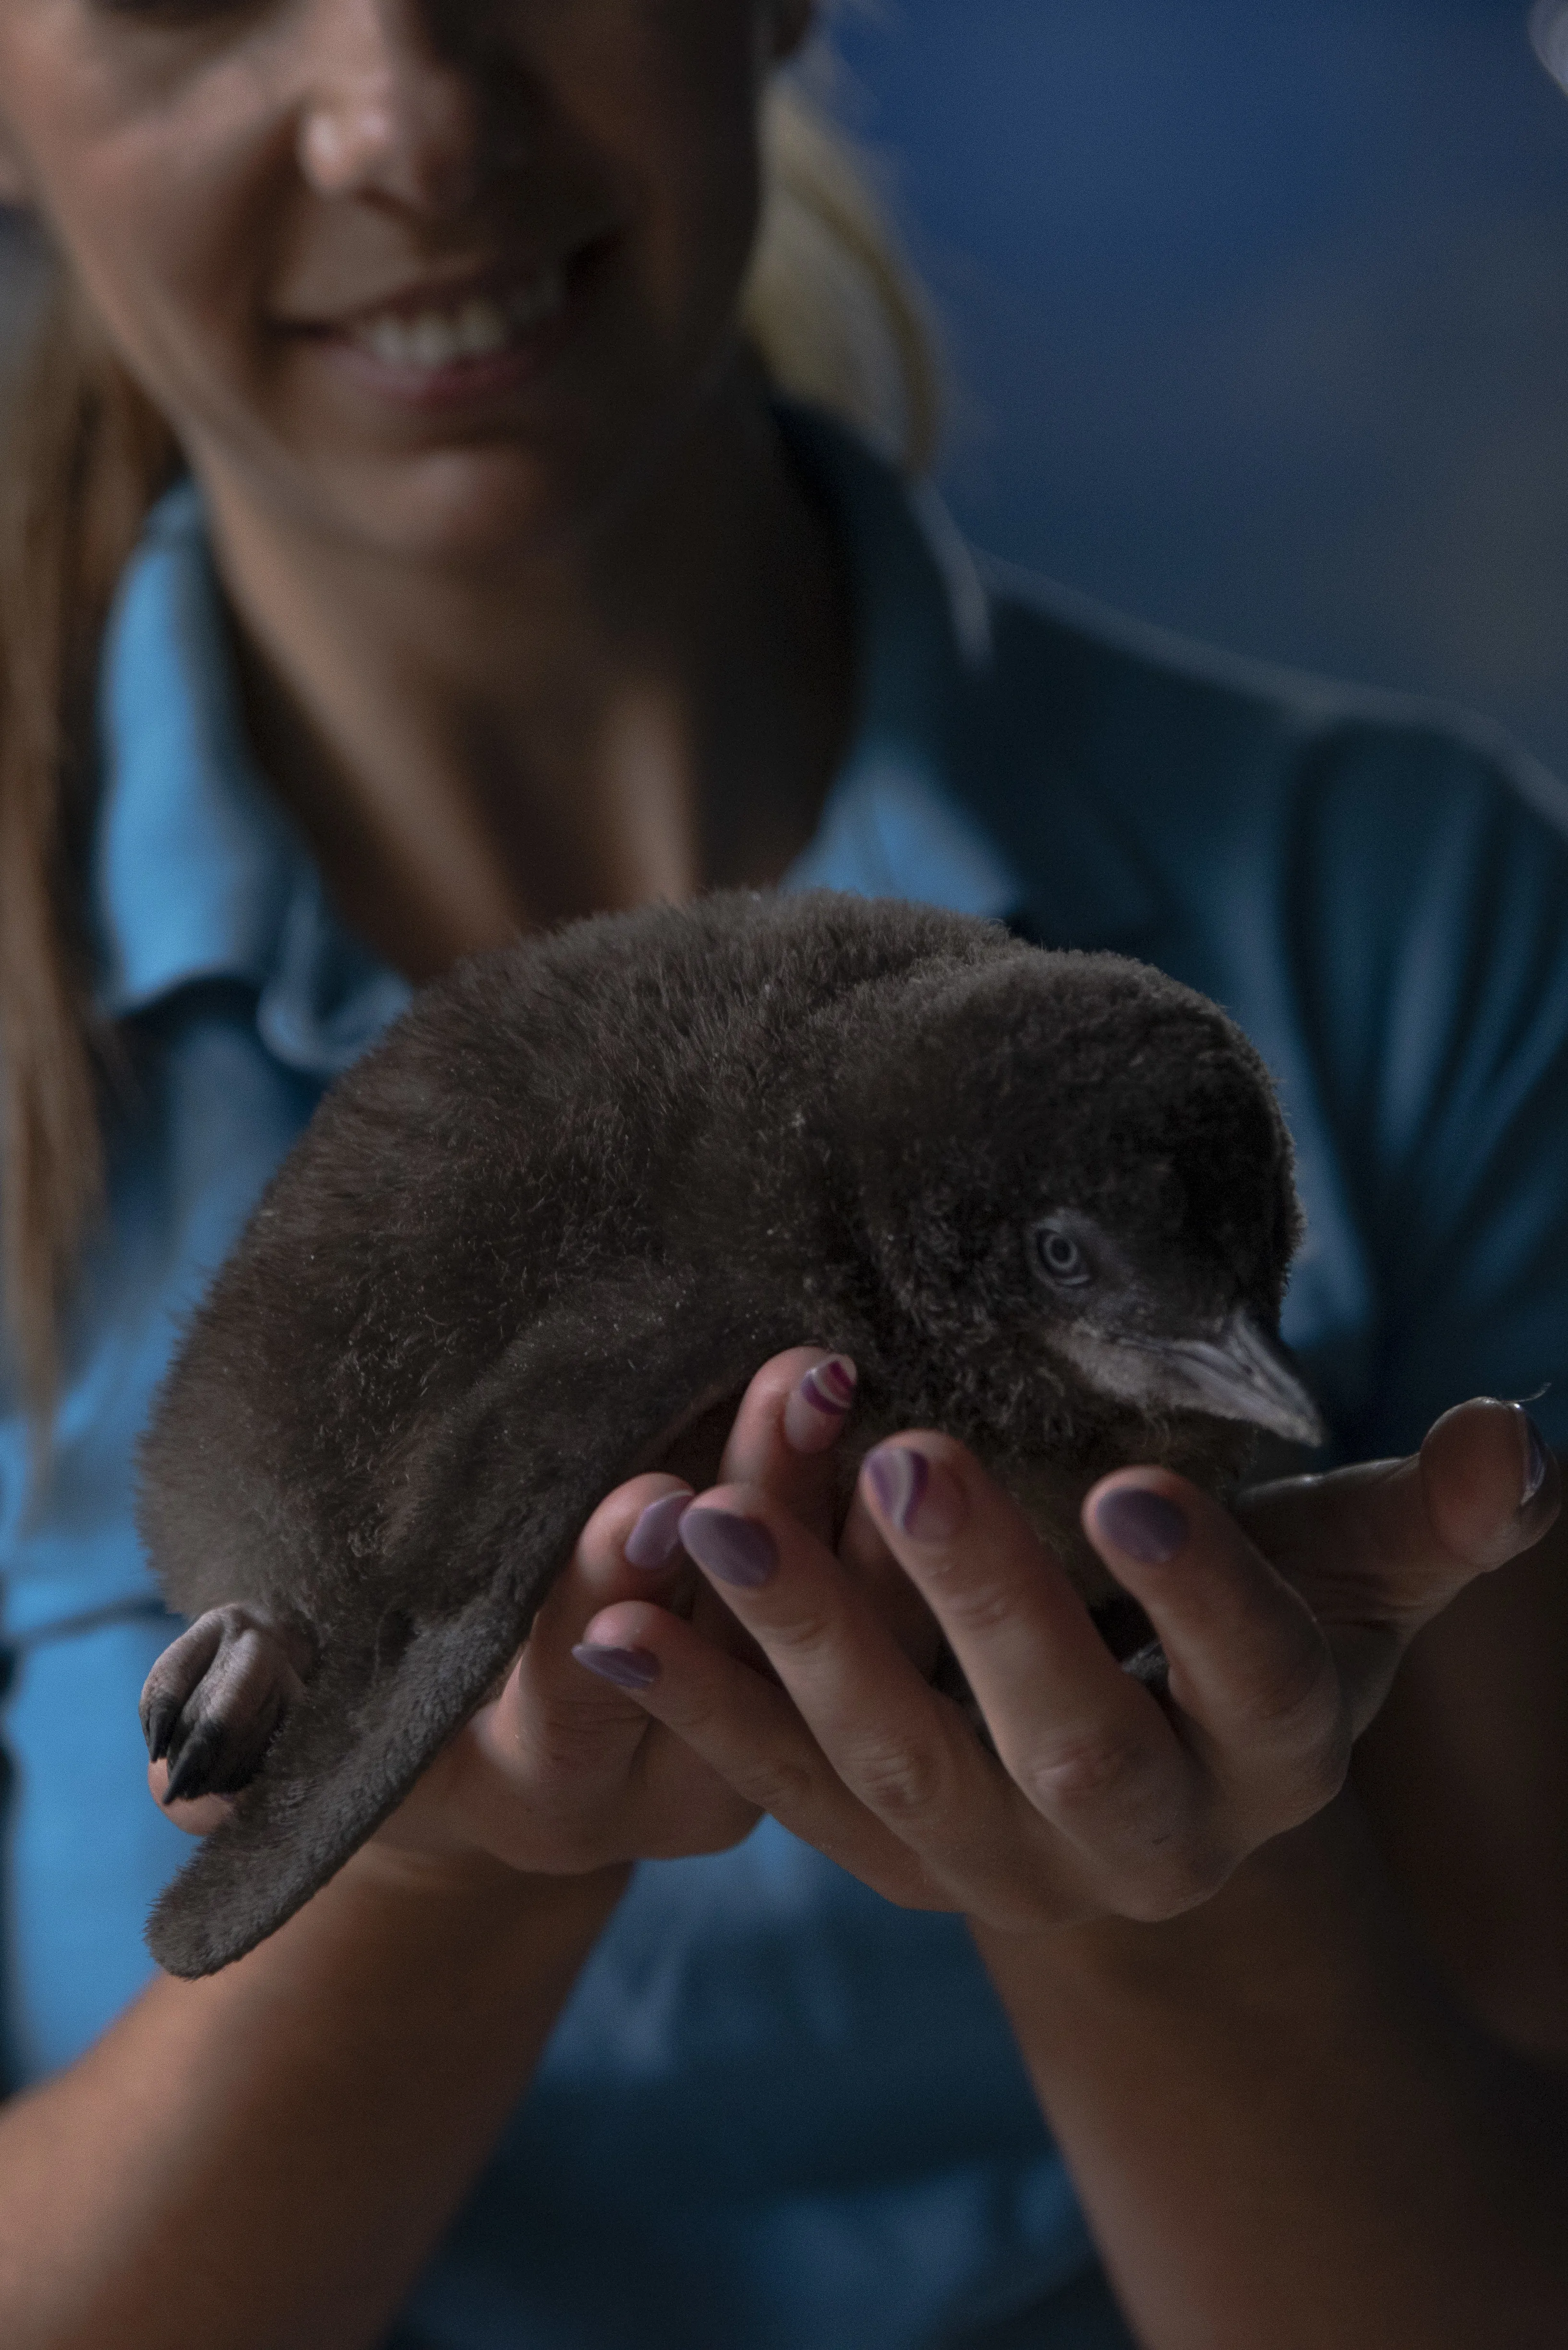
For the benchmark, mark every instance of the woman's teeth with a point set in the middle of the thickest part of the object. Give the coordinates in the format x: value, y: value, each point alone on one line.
x: 476, y: 328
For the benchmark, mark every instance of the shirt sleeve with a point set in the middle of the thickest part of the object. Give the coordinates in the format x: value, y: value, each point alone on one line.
x: 1430, y: 900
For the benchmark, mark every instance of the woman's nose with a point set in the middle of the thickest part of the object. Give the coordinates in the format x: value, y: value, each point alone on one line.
x: 396, y: 107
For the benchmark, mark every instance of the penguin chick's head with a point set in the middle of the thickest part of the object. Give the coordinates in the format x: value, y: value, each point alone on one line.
x: 1077, y: 1192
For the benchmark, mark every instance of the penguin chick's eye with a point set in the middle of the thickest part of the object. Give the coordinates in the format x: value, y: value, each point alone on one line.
x: 1060, y: 1257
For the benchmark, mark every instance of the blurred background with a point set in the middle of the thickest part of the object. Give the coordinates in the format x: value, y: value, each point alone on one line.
x: 1258, y: 314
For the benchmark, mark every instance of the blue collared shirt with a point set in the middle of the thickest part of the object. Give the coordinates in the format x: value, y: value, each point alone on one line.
x: 778, y: 2113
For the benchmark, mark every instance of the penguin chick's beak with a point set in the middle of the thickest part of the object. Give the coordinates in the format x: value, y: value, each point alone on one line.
x: 1239, y: 1373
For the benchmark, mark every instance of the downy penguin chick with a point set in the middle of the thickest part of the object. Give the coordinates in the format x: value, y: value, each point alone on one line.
x: 569, y: 1205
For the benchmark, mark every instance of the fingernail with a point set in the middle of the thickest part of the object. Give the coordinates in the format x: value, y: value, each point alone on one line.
x: 830, y: 1385
x: 656, y: 1537
x: 913, y: 1495
x: 737, y: 1550
x: 1148, y: 1526
x: 628, y: 1669
x: 816, y: 1407
x: 1537, y: 1461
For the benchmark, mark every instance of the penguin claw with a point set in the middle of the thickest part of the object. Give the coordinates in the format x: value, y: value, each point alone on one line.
x: 160, y: 1712
x: 197, y: 1768
x: 214, y: 1700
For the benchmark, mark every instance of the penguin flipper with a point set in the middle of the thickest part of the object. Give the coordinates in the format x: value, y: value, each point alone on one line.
x: 500, y: 1498
x: 340, y: 1765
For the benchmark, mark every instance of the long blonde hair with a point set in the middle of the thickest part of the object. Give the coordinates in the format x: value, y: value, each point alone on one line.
x: 831, y: 302
x: 837, y: 318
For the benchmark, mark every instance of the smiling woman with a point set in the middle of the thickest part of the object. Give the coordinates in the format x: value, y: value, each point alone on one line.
x: 464, y: 483
x: 85, y: 453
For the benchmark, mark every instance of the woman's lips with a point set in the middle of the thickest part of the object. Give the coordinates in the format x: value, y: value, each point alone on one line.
x: 442, y: 348
x: 471, y: 325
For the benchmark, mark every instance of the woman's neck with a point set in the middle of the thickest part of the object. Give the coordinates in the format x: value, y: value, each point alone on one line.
x: 475, y: 754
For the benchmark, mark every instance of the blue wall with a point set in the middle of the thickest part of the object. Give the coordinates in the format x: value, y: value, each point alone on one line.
x: 1260, y: 313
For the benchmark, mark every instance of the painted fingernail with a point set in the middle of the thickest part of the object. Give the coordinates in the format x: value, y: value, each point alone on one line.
x: 818, y: 1407
x: 1537, y: 1461
x: 830, y: 1385
x: 1148, y: 1526
x: 628, y: 1669
x: 737, y: 1550
x: 656, y: 1537
x: 913, y: 1495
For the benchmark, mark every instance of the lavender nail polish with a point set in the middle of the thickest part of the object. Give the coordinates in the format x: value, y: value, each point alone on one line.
x: 737, y: 1550
x: 628, y: 1669
x: 1147, y: 1527
x: 898, y: 1478
x: 829, y: 1387
x: 656, y: 1537
x: 1537, y: 1461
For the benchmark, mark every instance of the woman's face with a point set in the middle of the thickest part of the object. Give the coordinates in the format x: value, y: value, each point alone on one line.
x: 436, y: 276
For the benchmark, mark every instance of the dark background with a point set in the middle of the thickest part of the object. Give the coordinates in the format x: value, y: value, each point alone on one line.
x: 1259, y: 314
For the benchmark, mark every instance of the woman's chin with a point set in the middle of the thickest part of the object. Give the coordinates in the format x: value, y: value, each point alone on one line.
x: 464, y: 507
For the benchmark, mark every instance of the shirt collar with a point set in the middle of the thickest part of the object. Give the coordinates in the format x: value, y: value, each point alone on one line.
x: 199, y: 875
x: 953, y: 793
x: 197, y: 872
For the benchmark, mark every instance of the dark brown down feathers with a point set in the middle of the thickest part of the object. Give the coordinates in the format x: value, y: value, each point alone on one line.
x: 577, y: 1196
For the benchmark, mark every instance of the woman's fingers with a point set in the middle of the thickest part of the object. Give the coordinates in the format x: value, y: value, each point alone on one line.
x: 1256, y: 1686
x: 749, y: 1732
x: 1103, y: 1796
x: 1396, y: 1540
x: 902, y: 1749
x: 1377, y: 1551
x: 875, y: 1732
x: 550, y: 1711
x: 784, y: 1438
x: 1084, y: 1742
x: 787, y: 1432
x: 1095, y: 1777
x: 1257, y: 1737
x: 864, y: 1553
x: 1491, y: 1488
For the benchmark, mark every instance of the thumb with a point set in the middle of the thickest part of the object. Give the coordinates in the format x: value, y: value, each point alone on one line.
x: 1393, y: 1541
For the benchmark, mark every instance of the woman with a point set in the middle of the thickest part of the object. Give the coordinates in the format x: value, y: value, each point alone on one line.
x: 499, y: 590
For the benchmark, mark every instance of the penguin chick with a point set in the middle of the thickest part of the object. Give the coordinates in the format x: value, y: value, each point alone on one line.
x: 550, y: 1226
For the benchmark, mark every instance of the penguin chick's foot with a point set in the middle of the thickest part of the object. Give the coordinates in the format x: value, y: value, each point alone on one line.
x: 216, y: 1695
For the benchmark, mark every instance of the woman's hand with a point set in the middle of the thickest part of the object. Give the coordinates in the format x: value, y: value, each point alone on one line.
x: 563, y: 1772
x: 1283, y: 1628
